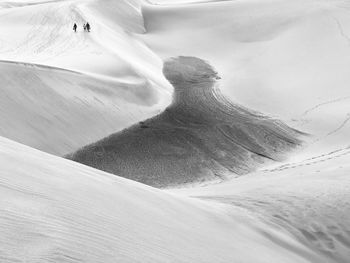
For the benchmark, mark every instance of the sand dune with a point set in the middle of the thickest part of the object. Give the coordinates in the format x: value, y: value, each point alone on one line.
x: 59, y: 111
x: 200, y: 136
x: 44, y: 35
x: 282, y: 58
x: 55, y: 210
x: 309, y: 199
x: 89, y: 85
x: 62, y: 90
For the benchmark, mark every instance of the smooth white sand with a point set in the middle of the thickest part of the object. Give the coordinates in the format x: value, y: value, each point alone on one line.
x: 55, y: 210
x: 287, y: 59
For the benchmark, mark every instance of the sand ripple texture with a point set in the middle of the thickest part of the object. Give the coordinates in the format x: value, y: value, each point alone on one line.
x: 201, y: 136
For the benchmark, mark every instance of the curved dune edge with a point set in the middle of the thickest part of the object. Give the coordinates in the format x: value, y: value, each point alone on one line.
x: 55, y: 210
x: 201, y: 136
x: 309, y: 199
x: 58, y: 110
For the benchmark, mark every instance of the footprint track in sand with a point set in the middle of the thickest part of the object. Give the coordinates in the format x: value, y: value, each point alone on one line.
x: 311, y: 161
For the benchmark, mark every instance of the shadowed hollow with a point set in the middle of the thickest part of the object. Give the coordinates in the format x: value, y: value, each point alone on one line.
x: 199, y: 137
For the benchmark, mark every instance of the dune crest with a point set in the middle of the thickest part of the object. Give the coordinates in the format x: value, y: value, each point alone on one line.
x: 201, y: 136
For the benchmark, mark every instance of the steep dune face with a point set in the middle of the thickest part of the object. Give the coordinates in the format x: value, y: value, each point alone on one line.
x: 59, y: 111
x: 199, y: 137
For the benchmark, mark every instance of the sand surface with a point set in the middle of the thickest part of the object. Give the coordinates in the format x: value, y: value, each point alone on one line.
x: 55, y: 210
x: 258, y: 189
x: 200, y: 137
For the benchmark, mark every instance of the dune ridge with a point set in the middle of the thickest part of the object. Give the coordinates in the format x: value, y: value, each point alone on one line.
x: 46, y: 107
x: 60, y: 89
x: 201, y: 136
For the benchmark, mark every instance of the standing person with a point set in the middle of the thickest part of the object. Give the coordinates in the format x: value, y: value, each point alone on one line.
x: 88, y: 27
x: 75, y: 27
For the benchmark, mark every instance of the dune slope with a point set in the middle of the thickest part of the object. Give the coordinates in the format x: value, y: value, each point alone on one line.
x: 62, y: 90
x: 88, y: 85
x: 200, y: 136
x: 310, y: 199
x: 59, y: 111
x: 288, y: 59
x: 55, y: 210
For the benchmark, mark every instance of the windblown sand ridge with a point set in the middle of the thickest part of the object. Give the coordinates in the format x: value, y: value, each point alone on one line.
x: 46, y: 107
x: 200, y: 136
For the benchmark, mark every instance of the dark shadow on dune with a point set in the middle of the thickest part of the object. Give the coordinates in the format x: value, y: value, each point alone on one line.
x: 201, y: 136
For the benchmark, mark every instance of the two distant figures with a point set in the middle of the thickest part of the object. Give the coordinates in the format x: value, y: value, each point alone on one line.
x: 85, y: 26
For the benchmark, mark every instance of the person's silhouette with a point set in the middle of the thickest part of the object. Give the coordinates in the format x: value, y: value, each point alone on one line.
x: 88, y: 27
x: 75, y: 27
